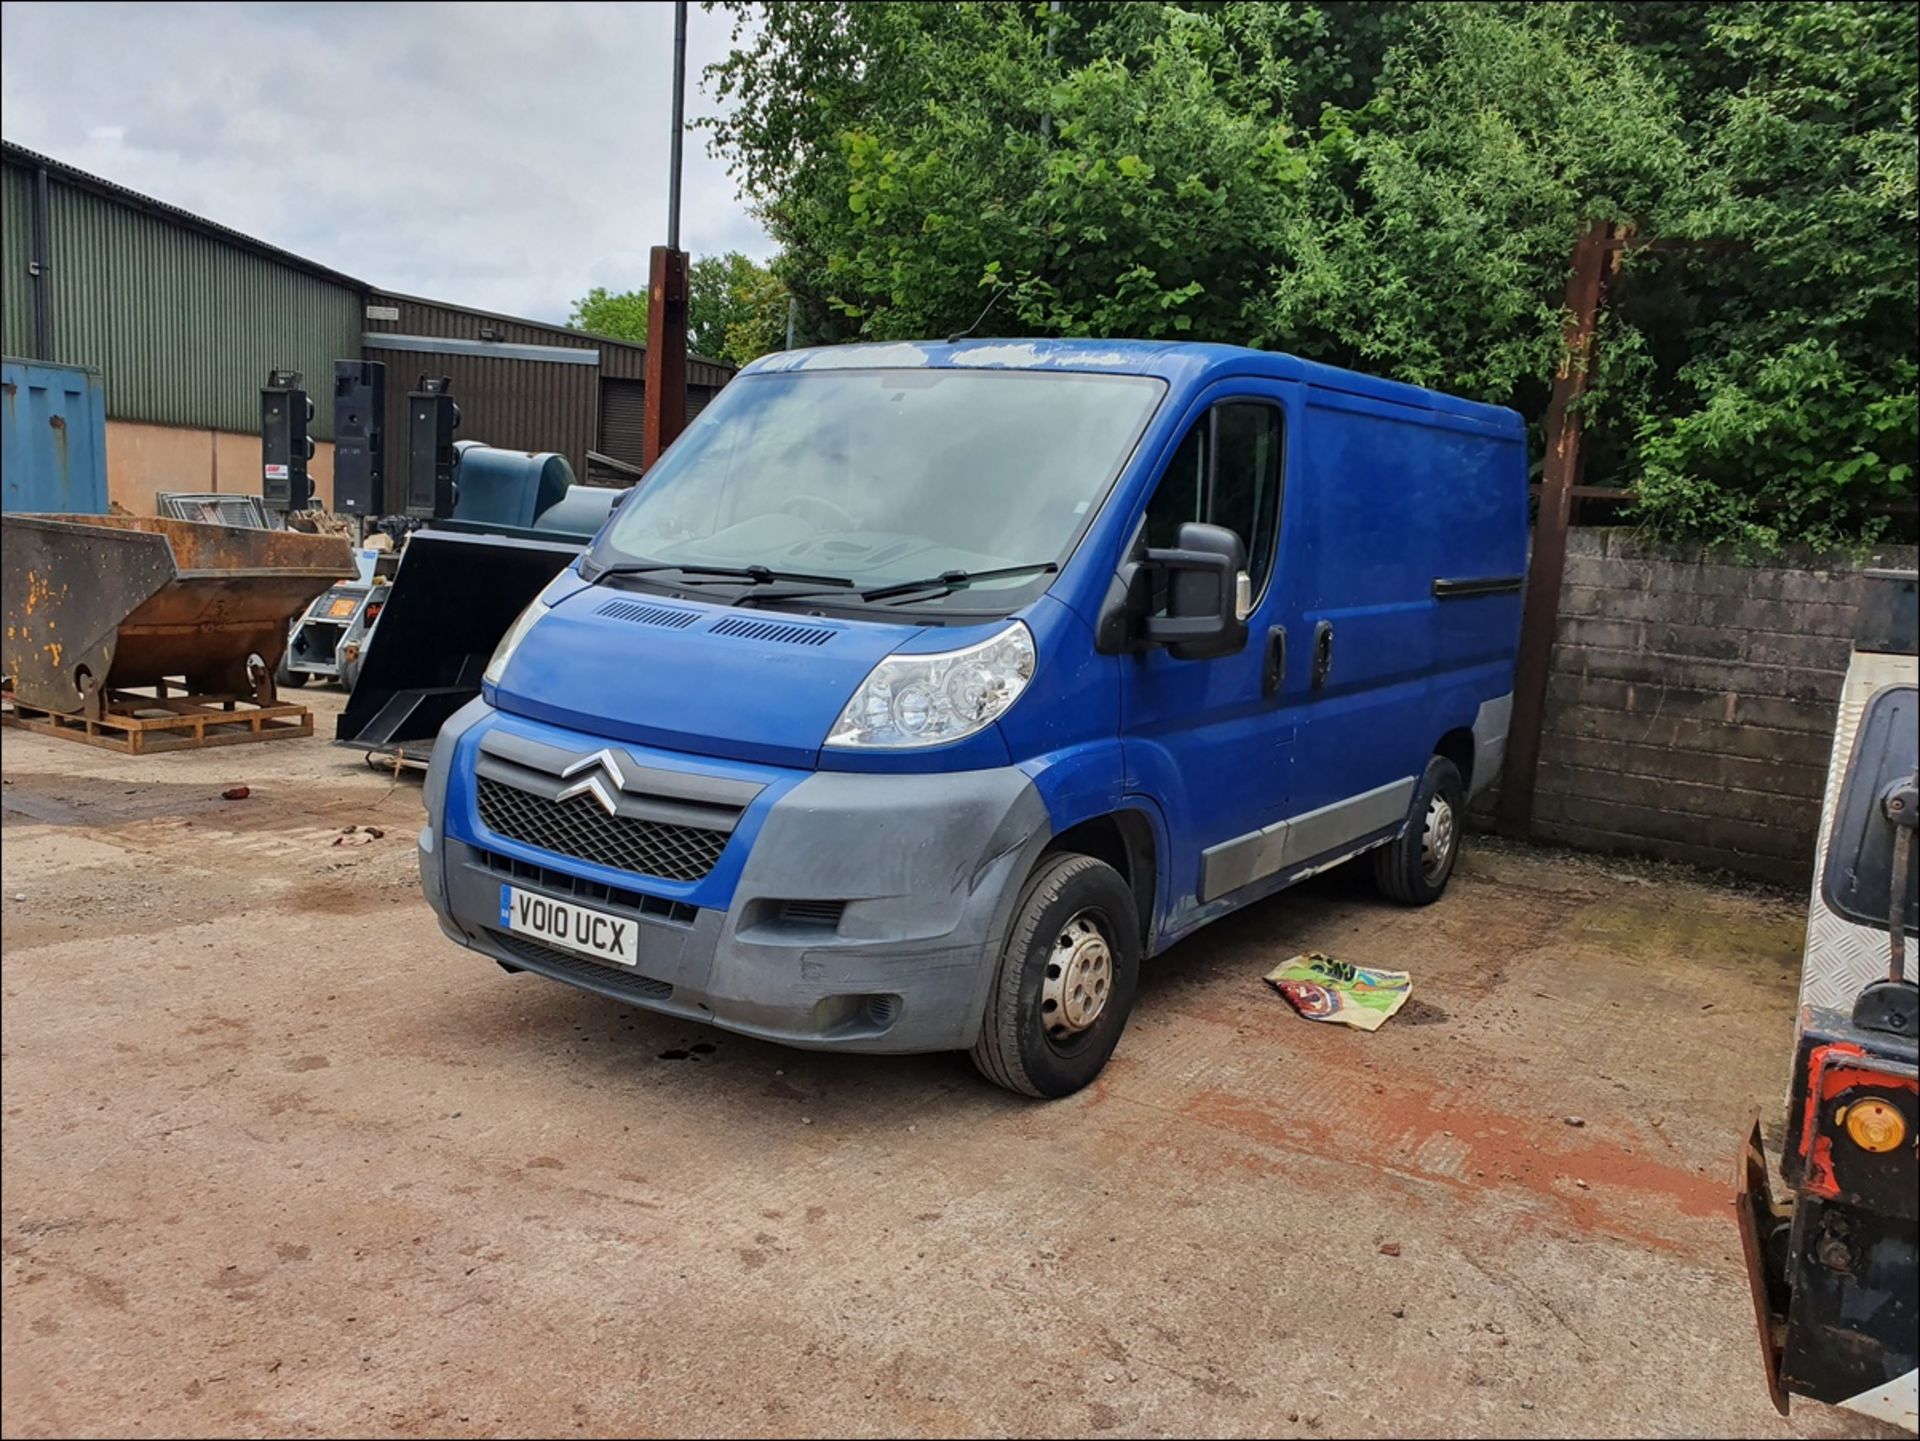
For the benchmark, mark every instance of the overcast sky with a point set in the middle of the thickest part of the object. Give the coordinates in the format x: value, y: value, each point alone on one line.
x: 503, y: 156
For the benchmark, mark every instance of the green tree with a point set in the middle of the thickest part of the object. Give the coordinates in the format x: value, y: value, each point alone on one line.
x: 1396, y: 187
x: 762, y: 326
x: 736, y: 309
x: 620, y: 314
x: 1155, y: 176
x: 1434, y: 232
x: 1786, y: 405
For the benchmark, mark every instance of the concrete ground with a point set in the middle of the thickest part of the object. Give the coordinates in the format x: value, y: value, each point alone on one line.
x: 280, y: 1160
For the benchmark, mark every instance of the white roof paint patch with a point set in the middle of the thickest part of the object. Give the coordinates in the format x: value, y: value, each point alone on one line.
x: 918, y: 354
x: 900, y: 354
x: 1025, y: 355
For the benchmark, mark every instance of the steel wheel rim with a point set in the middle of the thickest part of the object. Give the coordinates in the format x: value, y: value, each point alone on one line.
x: 1078, y: 980
x: 1438, y: 835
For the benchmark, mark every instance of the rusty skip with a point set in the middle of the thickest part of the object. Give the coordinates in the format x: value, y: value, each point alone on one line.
x: 101, y: 602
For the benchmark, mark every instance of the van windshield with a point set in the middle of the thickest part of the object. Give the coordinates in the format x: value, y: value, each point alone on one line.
x: 887, y: 476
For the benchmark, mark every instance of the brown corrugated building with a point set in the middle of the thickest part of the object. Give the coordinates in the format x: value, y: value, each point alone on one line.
x: 518, y: 383
x: 183, y: 318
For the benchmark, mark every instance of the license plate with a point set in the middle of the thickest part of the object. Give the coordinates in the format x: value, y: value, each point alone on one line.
x: 570, y: 927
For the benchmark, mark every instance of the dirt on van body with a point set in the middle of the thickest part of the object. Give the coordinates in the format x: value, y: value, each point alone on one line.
x: 280, y: 1159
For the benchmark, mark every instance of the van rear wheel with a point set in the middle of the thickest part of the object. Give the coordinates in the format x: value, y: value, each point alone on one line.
x: 1414, y: 869
x: 1065, y: 981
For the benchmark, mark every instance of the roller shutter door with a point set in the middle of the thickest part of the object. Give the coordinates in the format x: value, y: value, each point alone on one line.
x: 623, y: 419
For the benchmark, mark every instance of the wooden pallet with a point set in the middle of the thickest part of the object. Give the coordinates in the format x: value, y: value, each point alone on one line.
x: 136, y: 724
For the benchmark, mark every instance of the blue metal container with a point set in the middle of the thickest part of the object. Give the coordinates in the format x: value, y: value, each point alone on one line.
x: 507, y: 487
x: 53, y: 439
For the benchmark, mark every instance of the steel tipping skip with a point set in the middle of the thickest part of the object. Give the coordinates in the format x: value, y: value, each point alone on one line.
x: 99, y: 602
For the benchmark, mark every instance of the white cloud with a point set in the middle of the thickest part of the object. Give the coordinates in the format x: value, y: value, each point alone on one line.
x: 501, y: 156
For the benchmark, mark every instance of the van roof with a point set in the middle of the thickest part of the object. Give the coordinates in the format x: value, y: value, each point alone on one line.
x: 1176, y: 362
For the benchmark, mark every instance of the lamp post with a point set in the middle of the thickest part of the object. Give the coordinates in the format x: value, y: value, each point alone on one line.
x: 666, y: 367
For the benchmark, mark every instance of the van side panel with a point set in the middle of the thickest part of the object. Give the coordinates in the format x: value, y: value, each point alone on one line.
x: 1480, y: 502
x: 1476, y: 633
x: 1395, y: 499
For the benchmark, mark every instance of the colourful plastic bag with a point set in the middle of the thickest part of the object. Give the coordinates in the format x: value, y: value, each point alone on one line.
x: 1323, y: 989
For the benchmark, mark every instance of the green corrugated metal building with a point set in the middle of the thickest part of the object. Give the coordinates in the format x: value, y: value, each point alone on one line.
x: 16, y: 245
x: 183, y: 318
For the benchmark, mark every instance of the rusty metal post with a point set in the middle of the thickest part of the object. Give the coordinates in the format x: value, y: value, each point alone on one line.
x: 1548, y: 565
x: 666, y: 369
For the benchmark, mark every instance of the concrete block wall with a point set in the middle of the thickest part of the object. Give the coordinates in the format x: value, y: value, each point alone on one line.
x: 1691, y: 703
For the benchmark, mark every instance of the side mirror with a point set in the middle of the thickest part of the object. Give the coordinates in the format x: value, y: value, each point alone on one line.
x: 1206, y: 594
x: 620, y: 498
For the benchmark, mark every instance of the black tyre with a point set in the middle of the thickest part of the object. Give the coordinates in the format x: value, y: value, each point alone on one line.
x: 1414, y: 869
x: 1065, y: 982
x: 286, y: 678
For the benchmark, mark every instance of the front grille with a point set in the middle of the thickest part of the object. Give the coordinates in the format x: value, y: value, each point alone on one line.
x: 580, y: 827
x: 613, y: 898
x: 613, y: 978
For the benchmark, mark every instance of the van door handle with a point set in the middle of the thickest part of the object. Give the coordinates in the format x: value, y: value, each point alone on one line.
x: 1322, y: 651
x: 1274, y: 674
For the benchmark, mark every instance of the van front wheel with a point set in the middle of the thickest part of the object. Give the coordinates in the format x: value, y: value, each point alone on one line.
x: 1414, y: 869
x: 1065, y: 980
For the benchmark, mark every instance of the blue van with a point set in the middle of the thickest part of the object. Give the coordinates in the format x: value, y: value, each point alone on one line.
x: 923, y: 691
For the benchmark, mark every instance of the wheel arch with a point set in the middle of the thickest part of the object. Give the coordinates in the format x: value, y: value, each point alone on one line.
x: 1457, y: 745
x: 1123, y: 839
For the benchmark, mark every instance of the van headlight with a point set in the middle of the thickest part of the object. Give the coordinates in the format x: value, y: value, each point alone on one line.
x: 510, y: 642
x: 926, y: 700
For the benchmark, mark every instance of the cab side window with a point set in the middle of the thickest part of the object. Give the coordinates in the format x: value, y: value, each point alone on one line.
x: 1226, y: 472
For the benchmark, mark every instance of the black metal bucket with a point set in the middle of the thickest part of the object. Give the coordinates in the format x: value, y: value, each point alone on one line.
x: 451, y: 601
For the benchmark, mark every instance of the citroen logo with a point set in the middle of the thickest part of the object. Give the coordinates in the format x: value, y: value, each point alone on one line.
x: 603, y: 768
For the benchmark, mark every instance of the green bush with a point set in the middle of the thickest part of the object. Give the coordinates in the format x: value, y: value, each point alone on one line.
x: 1396, y: 188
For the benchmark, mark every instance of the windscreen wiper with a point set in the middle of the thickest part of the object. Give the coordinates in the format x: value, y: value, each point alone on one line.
x: 716, y: 574
x: 948, y: 581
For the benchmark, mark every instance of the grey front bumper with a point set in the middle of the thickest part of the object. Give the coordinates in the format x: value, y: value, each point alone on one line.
x: 928, y: 867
